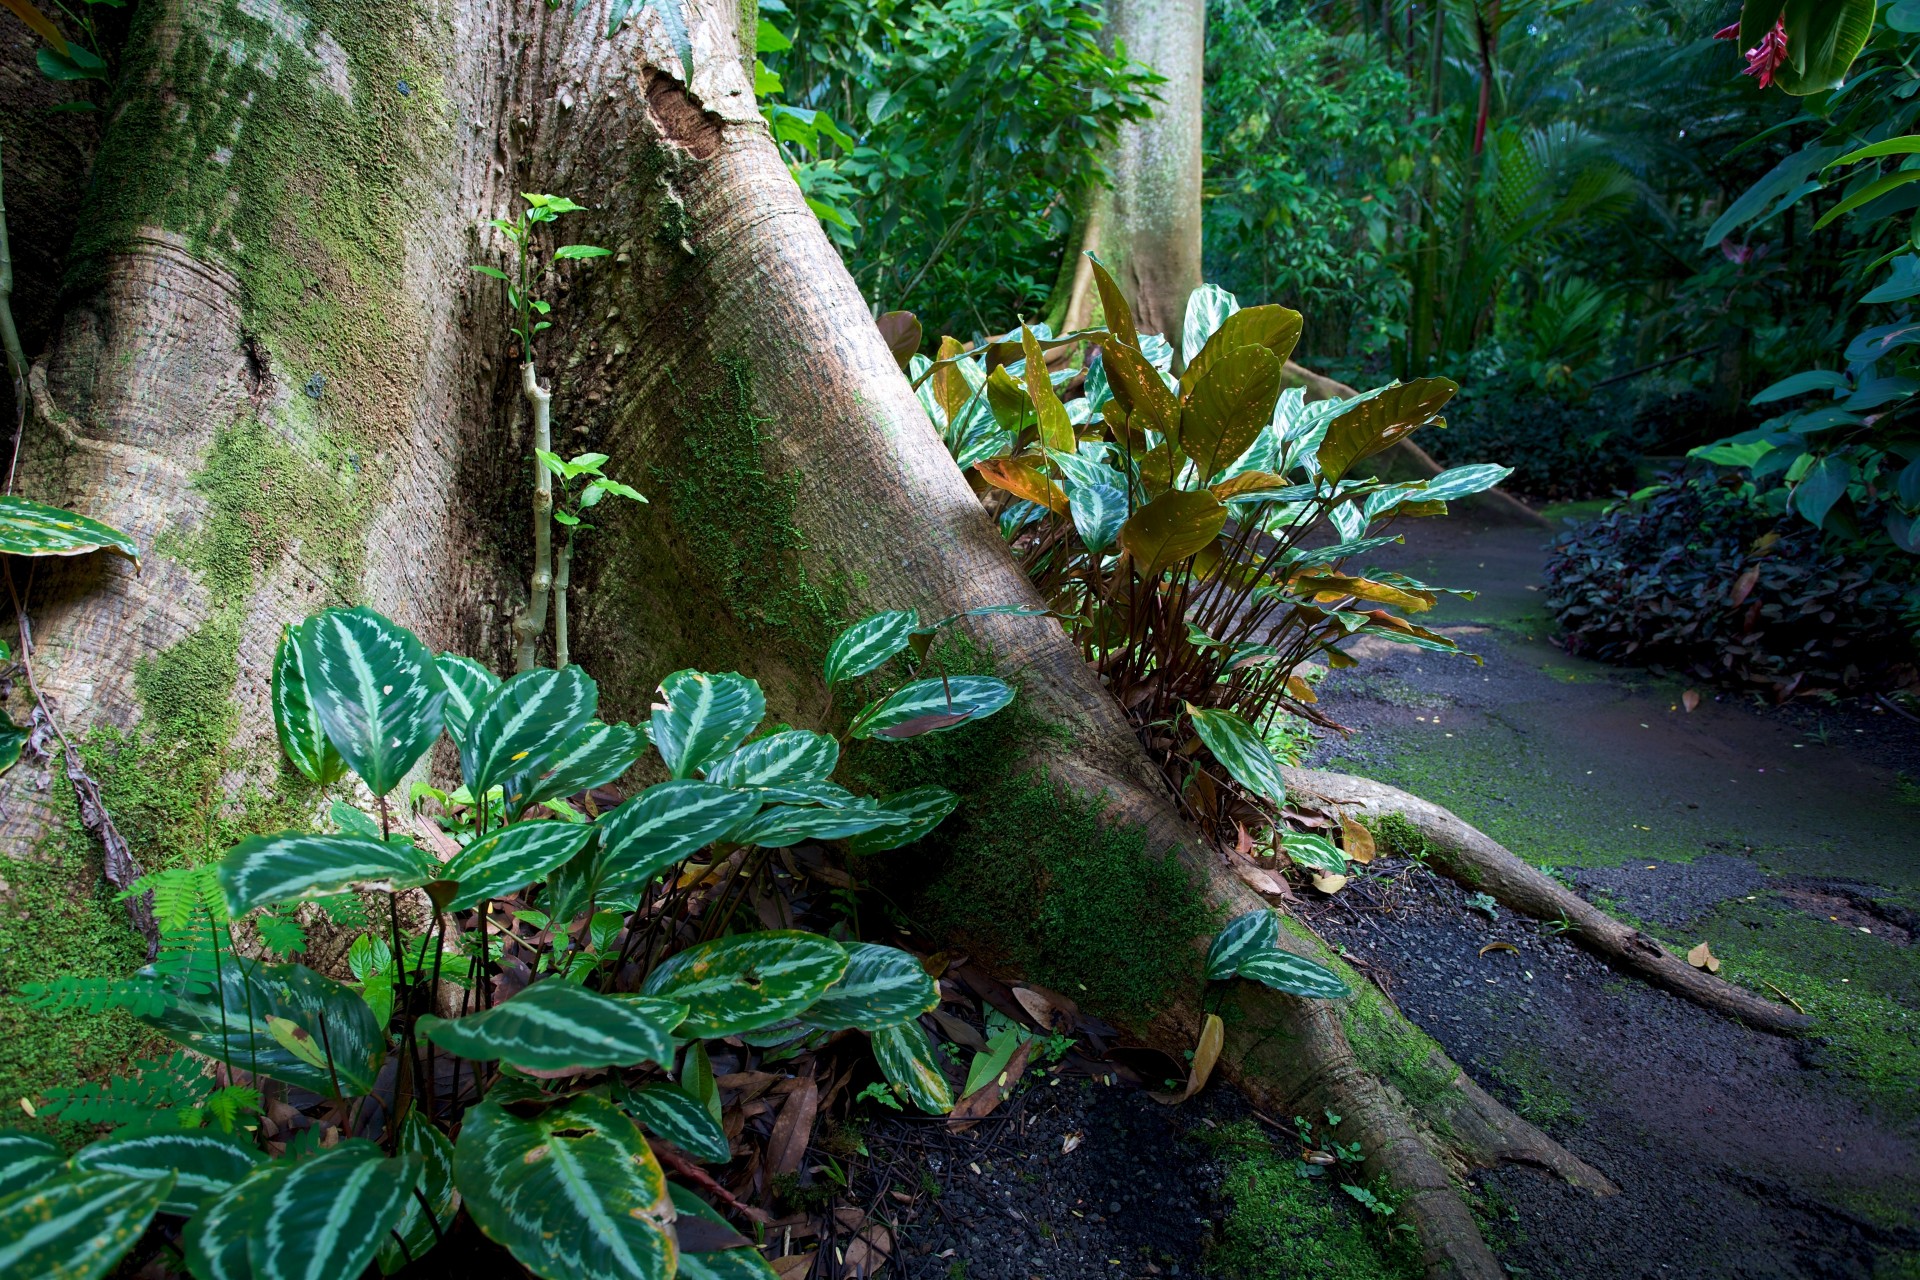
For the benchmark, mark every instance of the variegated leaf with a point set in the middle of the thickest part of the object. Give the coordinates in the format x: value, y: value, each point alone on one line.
x: 204, y: 1164
x: 301, y: 736
x: 732, y: 1256
x: 294, y: 865
x: 1098, y: 512
x: 906, y: 1059
x: 512, y: 858
x: 77, y: 1226
x: 1246, y: 935
x: 377, y: 691
x: 780, y: 825
x: 829, y: 794
x: 1315, y: 852
x: 468, y: 685
x: 215, y: 1240
x: 749, y: 981
x: 523, y: 725
x: 933, y: 706
x: 26, y: 1160
x: 792, y: 755
x: 703, y: 717
x: 557, y: 1026
x: 421, y: 1140
x: 664, y: 824
x: 915, y: 813
x: 869, y: 642
x: 230, y: 1022
x: 882, y: 987
x: 1240, y: 752
x: 326, y: 1218
x: 1295, y: 975
x: 35, y: 529
x: 680, y: 1118
x: 574, y: 1193
x: 592, y: 758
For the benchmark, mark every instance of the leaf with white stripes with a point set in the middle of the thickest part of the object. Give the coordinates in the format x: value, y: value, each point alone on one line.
x: 215, y: 1240
x: 792, y: 755
x: 1315, y: 852
x: 468, y: 685
x: 301, y: 736
x: 828, y: 794
x: 1246, y: 935
x: 204, y: 1164
x: 703, y: 716
x: 748, y: 981
x: 680, y: 1118
x: 574, y: 1193
x: 378, y: 692
x: 709, y: 1248
x: 1098, y: 512
x: 420, y: 1139
x: 26, y: 1160
x: 932, y: 706
x: 29, y: 528
x: 295, y: 865
x: 558, y: 1026
x: 593, y: 757
x: 326, y: 1218
x: 523, y: 725
x: 915, y: 813
x: 869, y: 642
x: 780, y: 825
x: 882, y: 987
x: 1295, y: 975
x: 76, y: 1227
x: 906, y: 1059
x: 1240, y: 752
x: 230, y: 1021
x: 512, y: 858
x: 664, y: 824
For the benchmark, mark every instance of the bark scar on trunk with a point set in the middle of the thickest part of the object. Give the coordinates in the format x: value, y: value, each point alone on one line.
x: 682, y: 122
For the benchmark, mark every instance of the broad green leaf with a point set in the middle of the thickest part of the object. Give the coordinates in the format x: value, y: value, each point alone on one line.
x: 35, y: 529
x: 869, y: 642
x: 523, y: 725
x: 915, y: 813
x: 986, y: 1067
x: 377, y: 691
x: 1462, y: 482
x: 1801, y: 383
x: 733, y: 1260
x: 13, y: 738
x: 229, y: 1023
x: 664, y: 824
x: 704, y: 717
x: 326, y: 1218
x: 932, y: 706
x: 1275, y: 328
x: 696, y: 1077
x: 1824, y: 484
x: 558, y: 1026
x: 906, y: 1059
x: 512, y: 858
x: 1007, y: 400
x: 1098, y: 512
x: 780, y: 759
x: 882, y: 987
x: 1229, y: 407
x: 781, y: 825
x: 1254, y: 933
x: 1137, y: 386
x: 26, y: 1160
x: 1240, y: 751
x: 202, y: 1163
x: 354, y: 822
x: 749, y: 981
x: 215, y: 1240
x: 420, y: 1140
x: 1868, y: 194
x: 1316, y: 852
x: 574, y: 252
x: 680, y: 1118
x: 76, y: 1227
x: 468, y: 685
x: 301, y: 736
x: 1056, y: 431
x: 574, y: 1192
x: 1295, y: 975
x: 593, y: 757
x: 296, y: 865
x: 1171, y: 528
x: 1823, y: 39
x: 1380, y: 421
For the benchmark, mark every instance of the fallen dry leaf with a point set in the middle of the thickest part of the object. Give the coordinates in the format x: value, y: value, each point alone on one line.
x: 969, y: 1110
x: 1702, y: 957
x: 960, y: 1031
x: 1206, y: 1052
x: 1260, y: 880
x: 1329, y: 884
x: 1043, y: 1011
x: 1499, y: 946
x: 794, y: 1266
x: 1356, y: 841
x: 868, y: 1252
x: 1242, y: 844
x: 1690, y: 699
x: 787, y: 1145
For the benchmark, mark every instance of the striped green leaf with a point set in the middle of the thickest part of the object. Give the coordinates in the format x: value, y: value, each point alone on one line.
x: 828, y: 794
x: 1098, y: 511
x: 422, y: 1141
x: 1317, y: 852
x: 793, y: 755
x: 915, y: 813
x: 558, y: 1026
x: 512, y: 858
x: 731, y: 1256
x: 468, y: 685
x: 780, y: 825
x: 230, y: 1023
x: 869, y: 642
x: 204, y: 1164
x: 702, y: 717
x: 215, y: 1240
x: 664, y: 824
x: 680, y: 1118
x: 524, y: 725
x: 326, y: 1218
x: 377, y: 691
x: 301, y: 736
x: 574, y: 1193
x: 1247, y: 935
x: 593, y: 757
x: 77, y: 1226
x: 882, y: 987
x: 35, y: 529
x: 1296, y: 975
x: 932, y: 706
x: 753, y: 980
x: 26, y: 1160
x: 295, y: 865
x: 1240, y: 752
x: 906, y: 1059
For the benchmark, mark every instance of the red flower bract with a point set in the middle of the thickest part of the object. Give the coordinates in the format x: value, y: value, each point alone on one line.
x: 1765, y: 58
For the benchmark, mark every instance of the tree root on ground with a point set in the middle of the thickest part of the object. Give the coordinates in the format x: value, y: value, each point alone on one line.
x: 1476, y: 860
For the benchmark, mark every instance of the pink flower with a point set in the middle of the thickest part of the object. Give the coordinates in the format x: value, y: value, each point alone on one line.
x: 1764, y: 58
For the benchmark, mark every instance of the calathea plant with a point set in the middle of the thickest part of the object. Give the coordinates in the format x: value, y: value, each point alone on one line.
x: 523, y: 1038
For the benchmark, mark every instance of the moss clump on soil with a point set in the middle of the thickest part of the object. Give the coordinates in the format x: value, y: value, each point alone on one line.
x: 1529, y: 1084
x: 1281, y: 1226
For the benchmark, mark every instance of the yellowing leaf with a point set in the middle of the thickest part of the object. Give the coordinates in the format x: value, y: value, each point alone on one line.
x: 1229, y: 407
x: 1137, y: 386
x: 1206, y: 1052
x: 1169, y: 529
x: 1056, y: 432
x: 1380, y: 422
x: 1275, y: 328
x: 1356, y: 840
x: 1702, y: 957
x: 1023, y: 478
x: 1499, y: 946
x: 1249, y: 482
x: 1329, y: 884
x: 1007, y: 399
x: 950, y: 388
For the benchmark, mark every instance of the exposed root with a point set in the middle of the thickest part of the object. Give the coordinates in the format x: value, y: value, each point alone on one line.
x: 1476, y: 860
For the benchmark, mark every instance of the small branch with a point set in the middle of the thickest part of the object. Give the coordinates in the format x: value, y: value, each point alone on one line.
x: 562, y: 578
x: 531, y: 621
